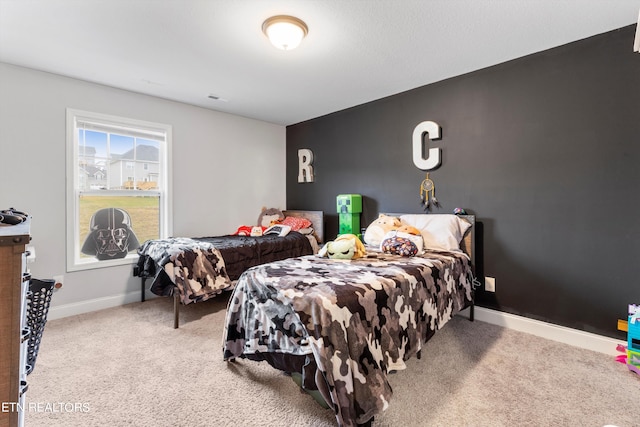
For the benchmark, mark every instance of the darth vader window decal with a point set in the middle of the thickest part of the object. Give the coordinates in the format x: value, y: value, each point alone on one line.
x: 111, y: 235
x: 117, y: 188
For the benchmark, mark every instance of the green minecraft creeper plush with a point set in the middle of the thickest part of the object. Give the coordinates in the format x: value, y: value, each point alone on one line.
x: 349, y: 209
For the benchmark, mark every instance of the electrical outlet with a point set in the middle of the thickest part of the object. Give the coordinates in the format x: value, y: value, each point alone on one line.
x: 59, y: 281
x: 31, y: 250
x: 490, y: 284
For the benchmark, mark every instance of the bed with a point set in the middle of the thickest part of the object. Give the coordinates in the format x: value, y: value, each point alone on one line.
x: 340, y: 327
x: 196, y: 269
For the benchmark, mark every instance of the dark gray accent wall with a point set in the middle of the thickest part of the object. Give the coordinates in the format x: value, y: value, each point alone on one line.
x: 544, y: 150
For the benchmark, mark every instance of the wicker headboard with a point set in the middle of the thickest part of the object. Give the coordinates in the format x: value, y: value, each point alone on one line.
x: 316, y: 218
x: 468, y: 240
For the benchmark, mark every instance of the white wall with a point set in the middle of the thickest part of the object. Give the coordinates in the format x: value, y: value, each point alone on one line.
x: 225, y: 168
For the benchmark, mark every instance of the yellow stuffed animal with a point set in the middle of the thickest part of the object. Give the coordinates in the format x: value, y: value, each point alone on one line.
x: 346, y: 246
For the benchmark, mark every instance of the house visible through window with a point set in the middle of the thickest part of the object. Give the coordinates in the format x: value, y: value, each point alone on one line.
x: 118, y: 191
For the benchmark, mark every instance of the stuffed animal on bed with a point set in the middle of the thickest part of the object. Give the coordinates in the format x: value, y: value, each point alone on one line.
x: 379, y: 228
x: 250, y: 230
x: 406, y: 240
x: 269, y: 217
x: 346, y: 246
x: 409, y: 229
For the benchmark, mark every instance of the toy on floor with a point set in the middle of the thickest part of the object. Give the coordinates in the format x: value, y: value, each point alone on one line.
x: 632, y: 351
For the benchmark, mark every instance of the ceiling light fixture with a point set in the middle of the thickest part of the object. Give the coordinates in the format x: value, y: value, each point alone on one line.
x: 285, y: 32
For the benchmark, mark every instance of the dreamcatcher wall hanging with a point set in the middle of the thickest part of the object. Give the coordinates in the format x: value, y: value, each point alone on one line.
x: 432, y: 161
x: 428, y: 194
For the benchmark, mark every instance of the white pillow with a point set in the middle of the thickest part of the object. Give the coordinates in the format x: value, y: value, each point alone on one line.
x: 441, y: 232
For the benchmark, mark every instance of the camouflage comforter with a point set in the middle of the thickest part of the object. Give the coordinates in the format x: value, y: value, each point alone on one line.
x: 202, y: 267
x: 196, y: 268
x: 358, y: 319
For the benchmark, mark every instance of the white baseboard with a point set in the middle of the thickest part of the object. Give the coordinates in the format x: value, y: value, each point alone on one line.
x: 574, y: 337
x: 66, y: 310
x: 549, y: 331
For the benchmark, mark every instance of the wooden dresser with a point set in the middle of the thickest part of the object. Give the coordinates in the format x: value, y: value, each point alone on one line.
x: 13, y: 286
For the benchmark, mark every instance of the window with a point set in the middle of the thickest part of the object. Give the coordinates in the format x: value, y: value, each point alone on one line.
x: 118, y: 188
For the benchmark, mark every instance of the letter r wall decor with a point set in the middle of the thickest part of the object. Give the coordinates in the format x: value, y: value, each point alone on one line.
x: 305, y: 170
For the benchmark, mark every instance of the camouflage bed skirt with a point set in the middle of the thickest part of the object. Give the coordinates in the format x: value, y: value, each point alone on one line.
x: 359, y: 319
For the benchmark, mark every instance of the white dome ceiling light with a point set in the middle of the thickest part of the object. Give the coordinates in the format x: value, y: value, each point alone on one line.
x: 285, y: 32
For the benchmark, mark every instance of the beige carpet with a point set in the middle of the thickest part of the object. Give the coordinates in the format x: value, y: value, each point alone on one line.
x: 127, y: 366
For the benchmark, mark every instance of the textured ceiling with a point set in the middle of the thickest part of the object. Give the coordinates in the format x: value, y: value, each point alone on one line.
x: 356, y: 51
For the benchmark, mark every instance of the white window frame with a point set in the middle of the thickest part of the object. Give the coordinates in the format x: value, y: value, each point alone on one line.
x: 74, y: 117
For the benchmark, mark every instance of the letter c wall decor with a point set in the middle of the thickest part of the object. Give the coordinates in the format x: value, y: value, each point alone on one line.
x: 432, y: 161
